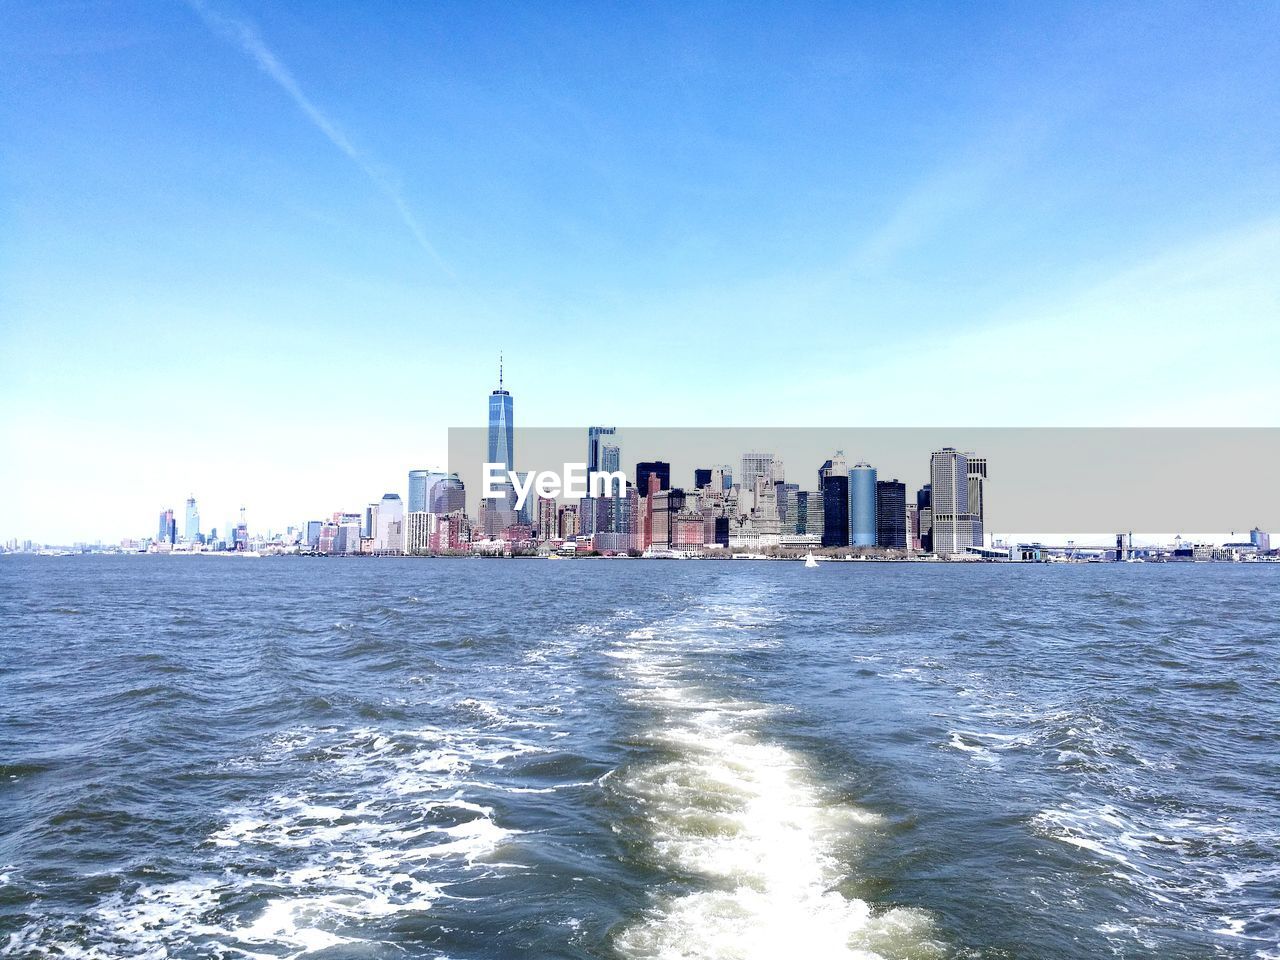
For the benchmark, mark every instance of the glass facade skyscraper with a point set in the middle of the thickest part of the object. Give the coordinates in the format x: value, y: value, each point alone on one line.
x: 594, y: 446
x: 501, y: 434
x: 833, y: 484
x: 862, y: 505
x: 500, y: 511
x: 434, y: 491
x: 835, y: 510
x: 168, y: 527
x: 192, y: 531
x: 891, y: 514
x: 659, y: 468
x: 446, y: 494
x: 418, y: 483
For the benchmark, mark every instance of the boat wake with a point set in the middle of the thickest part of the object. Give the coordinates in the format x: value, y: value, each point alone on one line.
x: 758, y: 855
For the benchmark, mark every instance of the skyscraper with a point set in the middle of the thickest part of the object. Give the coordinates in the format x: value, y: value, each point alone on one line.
x: 501, y: 436
x: 701, y: 477
x: 755, y: 465
x: 659, y: 468
x: 242, y: 533
x: 419, y: 480
x: 610, y: 458
x: 952, y: 521
x: 446, y: 494
x: 891, y: 515
x: 924, y: 516
x: 389, y: 537
x: 833, y: 484
x: 809, y: 513
x: 977, y: 492
x: 500, y: 512
x: 593, y: 447
x: 862, y: 505
x: 548, y: 519
x: 168, y: 527
x: 192, y: 531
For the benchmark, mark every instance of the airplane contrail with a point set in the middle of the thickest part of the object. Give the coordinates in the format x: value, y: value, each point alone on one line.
x: 247, y: 38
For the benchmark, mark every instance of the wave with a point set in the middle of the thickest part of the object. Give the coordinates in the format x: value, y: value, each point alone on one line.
x: 382, y: 827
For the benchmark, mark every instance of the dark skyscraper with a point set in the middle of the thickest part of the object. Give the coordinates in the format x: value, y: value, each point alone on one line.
x: 891, y: 515
x: 835, y: 511
x: 924, y: 497
x: 701, y: 477
x: 659, y: 468
x: 924, y: 504
x: 833, y: 481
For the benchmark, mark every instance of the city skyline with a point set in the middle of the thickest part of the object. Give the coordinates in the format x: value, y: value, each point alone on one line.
x: 859, y: 508
x: 253, y: 246
x: 757, y: 506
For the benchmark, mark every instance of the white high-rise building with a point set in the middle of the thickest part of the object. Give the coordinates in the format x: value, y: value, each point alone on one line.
x: 755, y: 465
x: 952, y: 522
x: 389, y: 537
x: 417, y: 540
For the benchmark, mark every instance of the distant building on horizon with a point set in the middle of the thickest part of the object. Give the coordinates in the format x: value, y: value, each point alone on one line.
x: 168, y: 532
x: 192, y: 531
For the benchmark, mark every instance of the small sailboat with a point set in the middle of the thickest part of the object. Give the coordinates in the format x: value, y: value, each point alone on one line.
x: 810, y: 560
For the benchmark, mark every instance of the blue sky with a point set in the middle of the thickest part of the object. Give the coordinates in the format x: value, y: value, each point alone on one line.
x: 268, y: 253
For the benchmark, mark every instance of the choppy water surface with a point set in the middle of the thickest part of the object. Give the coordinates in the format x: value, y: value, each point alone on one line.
x: 226, y: 758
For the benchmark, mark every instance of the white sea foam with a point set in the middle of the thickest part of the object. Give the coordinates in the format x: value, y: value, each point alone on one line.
x: 969, y: 742
x: 1173, y: 861
x: 382, y: 832
x: 745, y: 821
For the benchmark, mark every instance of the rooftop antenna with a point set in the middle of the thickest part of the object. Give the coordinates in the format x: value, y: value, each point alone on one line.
x: 499, y: 369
